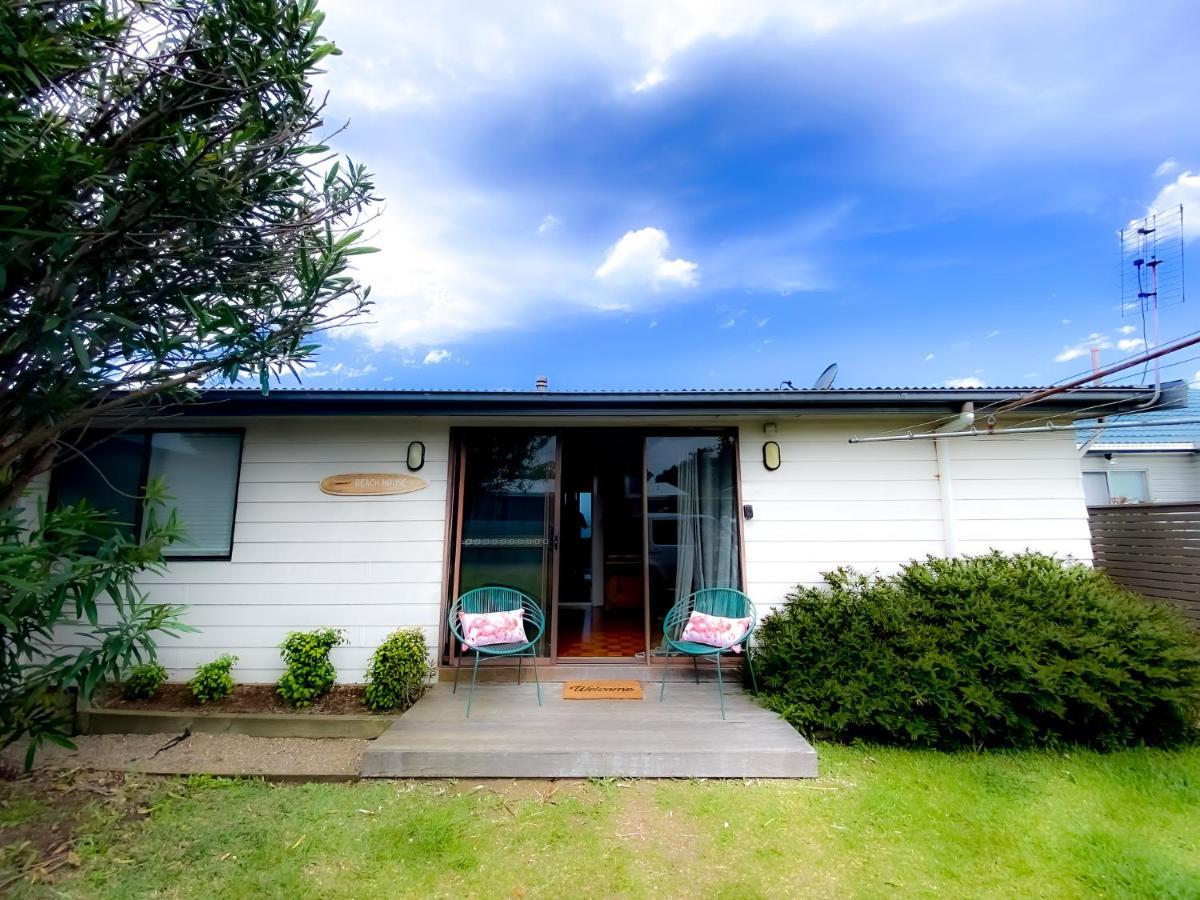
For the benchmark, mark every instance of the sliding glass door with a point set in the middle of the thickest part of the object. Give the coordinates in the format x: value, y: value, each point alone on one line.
x: 693, y: 536
x: 605, y: 528
x: 507, y: 514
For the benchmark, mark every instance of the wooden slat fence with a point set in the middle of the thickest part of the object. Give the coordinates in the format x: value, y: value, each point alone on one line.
x: 1153, y: 549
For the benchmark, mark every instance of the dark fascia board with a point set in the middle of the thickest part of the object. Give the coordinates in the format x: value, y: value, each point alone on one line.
x: 224, y: 402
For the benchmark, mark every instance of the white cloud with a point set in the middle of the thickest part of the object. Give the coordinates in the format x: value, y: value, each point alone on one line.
x: 360, y: 89
x: 1066, y: 321
x: 1130, y: 344
x: 549, y: 223
x: 1183, y: 190
x: 338, y: 370
x: 1127, y: 329
x: 990, y: 335
x: 1165, y: 168
x: 425, y: 54
x: 729, y: 324
x: 1084, y: 347
x: 969, y: 382
x: 639, y: 259
x: 433, y: 357
x: 928, y: 357
x: 1070, y: 353
x: 460, y: 256
x: 651, y: 79
x: 449, y: 269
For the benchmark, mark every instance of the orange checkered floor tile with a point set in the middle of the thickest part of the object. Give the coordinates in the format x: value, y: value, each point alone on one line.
x: 611, y: 636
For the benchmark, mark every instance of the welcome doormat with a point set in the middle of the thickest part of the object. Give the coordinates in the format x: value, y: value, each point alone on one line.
x: 602, y: 690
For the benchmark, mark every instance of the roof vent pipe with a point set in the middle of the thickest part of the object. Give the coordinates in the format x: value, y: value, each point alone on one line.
x: 542, y: 383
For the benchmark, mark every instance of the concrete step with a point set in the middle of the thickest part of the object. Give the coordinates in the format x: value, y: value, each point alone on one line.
x: 510, y: 736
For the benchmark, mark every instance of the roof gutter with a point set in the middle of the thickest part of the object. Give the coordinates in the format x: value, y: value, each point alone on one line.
x: 226, y: 402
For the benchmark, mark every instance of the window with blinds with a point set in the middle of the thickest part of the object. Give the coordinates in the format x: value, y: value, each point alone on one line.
x: 200, y: 470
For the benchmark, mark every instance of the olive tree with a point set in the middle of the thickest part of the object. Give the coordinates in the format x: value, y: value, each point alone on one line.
x: 168, y: 214
x: 170, y: 218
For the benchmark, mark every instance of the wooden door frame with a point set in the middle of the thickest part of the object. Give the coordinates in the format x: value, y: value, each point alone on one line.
x: 555, y: 546
x: 452, y: 555
x: 646, y: 546
x: 456, y: 489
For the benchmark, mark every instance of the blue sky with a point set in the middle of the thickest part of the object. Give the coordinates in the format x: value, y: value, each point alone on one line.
x: 734, y: 194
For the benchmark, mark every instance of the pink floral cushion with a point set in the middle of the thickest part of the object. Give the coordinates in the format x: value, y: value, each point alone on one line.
x: 484, y: 629
x: 716, y: 631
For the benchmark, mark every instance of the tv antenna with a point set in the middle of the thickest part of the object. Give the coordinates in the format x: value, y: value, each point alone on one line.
x: 825, y: 379
x: 1152, y: 270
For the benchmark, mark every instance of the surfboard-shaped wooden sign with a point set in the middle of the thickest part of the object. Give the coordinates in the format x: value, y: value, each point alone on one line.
x: 371, y: 484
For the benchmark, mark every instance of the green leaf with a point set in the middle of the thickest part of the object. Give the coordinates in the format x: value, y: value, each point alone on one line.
x: 81, y: 353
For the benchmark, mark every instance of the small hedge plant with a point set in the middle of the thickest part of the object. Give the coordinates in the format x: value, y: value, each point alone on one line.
x: 998, y: 650
x: 309, y: 674
x: 213, y: 681
x: 144, y: 681
x: 398, y: 669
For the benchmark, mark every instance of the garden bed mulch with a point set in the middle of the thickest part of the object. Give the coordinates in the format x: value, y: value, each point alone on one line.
x: 343, y: 700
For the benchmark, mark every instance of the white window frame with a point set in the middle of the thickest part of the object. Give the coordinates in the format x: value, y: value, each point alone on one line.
x: 1145, y: 473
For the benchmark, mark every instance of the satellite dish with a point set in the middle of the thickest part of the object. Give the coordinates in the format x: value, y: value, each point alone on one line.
x: 825, y: 379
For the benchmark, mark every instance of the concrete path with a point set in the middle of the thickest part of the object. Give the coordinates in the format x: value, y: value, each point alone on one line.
x: 276, y: 759
x: 509, y: 736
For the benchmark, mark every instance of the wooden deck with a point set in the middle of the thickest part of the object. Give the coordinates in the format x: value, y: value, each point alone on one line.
x: 509, y: 736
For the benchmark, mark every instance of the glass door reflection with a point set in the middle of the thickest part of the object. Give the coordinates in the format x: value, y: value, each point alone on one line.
x: 507, y: 515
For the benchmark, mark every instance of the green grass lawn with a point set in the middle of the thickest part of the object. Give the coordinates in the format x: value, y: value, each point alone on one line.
x: 878, y: 823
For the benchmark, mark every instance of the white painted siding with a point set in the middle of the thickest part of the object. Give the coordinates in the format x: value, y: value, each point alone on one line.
x: 876, y: 506
x: 1173, y: 477
x: 303, y: 559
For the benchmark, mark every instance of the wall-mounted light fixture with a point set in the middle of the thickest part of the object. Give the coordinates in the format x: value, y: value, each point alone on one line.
x: 771, y: 459
x: 416, y: 456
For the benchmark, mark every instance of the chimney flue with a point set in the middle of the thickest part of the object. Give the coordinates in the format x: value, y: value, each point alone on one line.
x: 542, y: 383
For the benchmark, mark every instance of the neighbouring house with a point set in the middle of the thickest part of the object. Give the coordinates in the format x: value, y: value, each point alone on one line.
x: 370, y: 510
x: 1151, y: 463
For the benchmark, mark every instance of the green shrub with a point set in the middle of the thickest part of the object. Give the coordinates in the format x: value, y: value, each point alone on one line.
x: 992, y: 650
x: 309, y: 674
x: 399, y: 667
x: 143, y: 681
x: 213, y: 680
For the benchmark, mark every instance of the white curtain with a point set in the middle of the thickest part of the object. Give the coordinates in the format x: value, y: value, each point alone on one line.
x: 707, y: 553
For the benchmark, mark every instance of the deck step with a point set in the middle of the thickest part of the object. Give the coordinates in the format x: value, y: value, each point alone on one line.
x: 510, y: 736
x: 495, y: 672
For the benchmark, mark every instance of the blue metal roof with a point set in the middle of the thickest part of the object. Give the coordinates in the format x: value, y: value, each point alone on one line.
x: 1151, y: 433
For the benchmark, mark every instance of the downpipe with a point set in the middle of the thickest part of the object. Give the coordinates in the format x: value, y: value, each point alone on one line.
x: 963, y: 421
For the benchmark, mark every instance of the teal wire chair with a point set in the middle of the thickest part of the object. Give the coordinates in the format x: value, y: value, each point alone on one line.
x: 725, y: 602
x: 498, y: 599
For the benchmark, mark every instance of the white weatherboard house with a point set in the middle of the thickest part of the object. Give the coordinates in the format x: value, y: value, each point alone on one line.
x: 370, y: 510
x: 1151, y: 463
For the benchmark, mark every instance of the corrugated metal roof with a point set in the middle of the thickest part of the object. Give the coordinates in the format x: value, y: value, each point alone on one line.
x: 247, y: 389
x: 1151, y: 433
x: 694, y: 401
